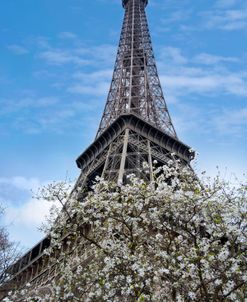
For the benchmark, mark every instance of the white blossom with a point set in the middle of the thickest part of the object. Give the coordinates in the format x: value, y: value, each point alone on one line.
x: 150, y: 241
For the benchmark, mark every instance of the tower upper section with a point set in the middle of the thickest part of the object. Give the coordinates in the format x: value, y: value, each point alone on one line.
x: 125, y: 2
x: 135, y: 87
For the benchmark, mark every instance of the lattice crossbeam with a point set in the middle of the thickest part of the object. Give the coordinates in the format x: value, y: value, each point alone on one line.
x: 135, y: 86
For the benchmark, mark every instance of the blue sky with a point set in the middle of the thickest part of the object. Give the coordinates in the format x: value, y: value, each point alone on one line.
x: 56, y: 62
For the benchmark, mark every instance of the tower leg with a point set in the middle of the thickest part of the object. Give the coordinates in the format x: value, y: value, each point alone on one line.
x: 123, y: 157
x: 150, y: 163
x: 107, y: 161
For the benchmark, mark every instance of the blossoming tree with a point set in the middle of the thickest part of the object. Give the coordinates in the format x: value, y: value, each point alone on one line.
x: 9, y: 251
x: 174, y: 239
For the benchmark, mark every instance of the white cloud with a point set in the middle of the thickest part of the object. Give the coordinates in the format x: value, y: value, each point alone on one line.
x: 42, y: 42
x: 208, y: 59
x: 21, y: 183
x: 9, y: 106
x: 96, y: 89
x: 34, y: 115
x: 232, y: 121
x: 231, y: 83
x: 200, y: 74
x: 102, y: 55
x: 24, y: 217
x: 181, y: 75
x: 177, y: 16
x: 174, y: 54
x: 188, y: 80
x: 96, y: 75
x: 32, y: 213
x: 60, y: 114
x: 67, y: 35
x: 226, y: 3
x: 17, y: 49
x: 96, y: 83
x: 229, y: 20
x: 61, y: 57
x: 24, y: 221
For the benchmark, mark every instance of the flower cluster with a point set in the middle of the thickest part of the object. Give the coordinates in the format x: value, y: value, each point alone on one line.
x: 176, y: 238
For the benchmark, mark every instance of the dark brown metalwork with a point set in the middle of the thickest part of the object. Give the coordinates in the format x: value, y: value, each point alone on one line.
x: 135, y: 86
x: 135, y: 128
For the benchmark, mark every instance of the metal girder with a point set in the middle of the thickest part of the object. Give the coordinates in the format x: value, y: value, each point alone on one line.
x: 135, y: 86
x: 124, y: 2
x: 123, y: 148
x: 141, y: 126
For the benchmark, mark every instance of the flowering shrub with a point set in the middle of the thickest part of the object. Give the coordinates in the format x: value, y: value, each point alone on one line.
x: 174, y: 239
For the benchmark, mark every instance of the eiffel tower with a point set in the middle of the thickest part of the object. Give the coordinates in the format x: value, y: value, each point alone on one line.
x: 136, y: 127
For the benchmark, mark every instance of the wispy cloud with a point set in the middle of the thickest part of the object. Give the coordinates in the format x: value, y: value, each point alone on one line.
x: 182, y: 75
x: 34, y: 115
x: 229, y: 20
x: 67, y: 35
x: 23, y: 215
x: 188, y: 16
x: 174, y: 54
x: 206, y: 83
x: 95, y: 83
x: 9, y: 106
x: 189, y: 79
x: 202, y: 73
x: 232, y: 121
x: 226, y: 3
x: 61, y: 57
x: 209, y: 59
x: 79, y: 56
x: 82, y: 91
x: 169, y: 4
x: 21, y: 183
x: 30, y: 214
x: 179, y: 15
x: 17, y: 49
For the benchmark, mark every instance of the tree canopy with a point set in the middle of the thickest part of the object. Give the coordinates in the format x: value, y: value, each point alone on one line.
x: 176, y: 238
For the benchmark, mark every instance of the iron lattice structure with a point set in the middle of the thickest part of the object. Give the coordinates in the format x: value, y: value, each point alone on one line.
x: 135, y: 128
x: 135, y: 86
x: 135, y: 98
